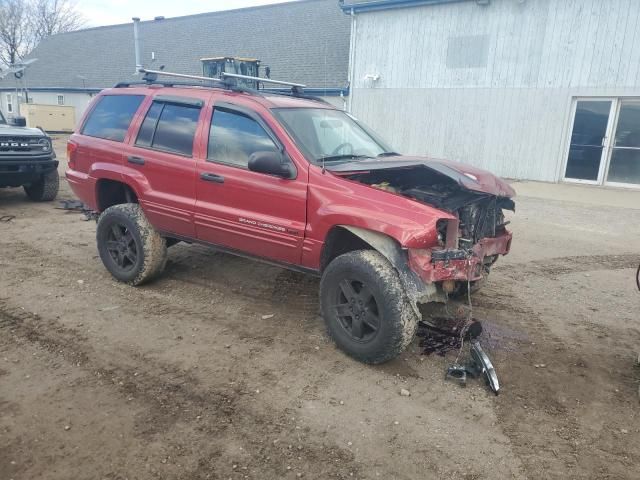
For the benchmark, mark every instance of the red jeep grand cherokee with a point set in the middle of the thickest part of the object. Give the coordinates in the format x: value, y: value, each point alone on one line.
x: 292, y: 181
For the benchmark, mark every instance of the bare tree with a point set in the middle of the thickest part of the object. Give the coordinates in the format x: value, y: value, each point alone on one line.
x: 16, y: 32
x: 49, y: 17
x: 24, y: 23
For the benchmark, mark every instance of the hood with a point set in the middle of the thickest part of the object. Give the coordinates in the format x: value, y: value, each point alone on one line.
x: 466, y: 176
x: 13, y: 131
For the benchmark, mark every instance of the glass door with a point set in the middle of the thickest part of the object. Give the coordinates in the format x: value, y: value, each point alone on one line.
x: 624, y: 166
x: 587, y: 151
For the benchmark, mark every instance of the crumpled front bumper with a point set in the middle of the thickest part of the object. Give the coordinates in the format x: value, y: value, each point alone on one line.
x: 437, y: 265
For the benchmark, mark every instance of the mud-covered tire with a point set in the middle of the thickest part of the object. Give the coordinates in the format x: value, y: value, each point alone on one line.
x: 395, y: 320
x: 45, y: 189
x: 139, y: 253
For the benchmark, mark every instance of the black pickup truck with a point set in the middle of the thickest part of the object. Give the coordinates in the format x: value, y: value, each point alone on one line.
x: 27, y: 160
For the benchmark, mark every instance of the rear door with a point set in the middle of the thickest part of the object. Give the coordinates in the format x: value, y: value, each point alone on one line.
x: 251, y: 212
x: 162, y: 159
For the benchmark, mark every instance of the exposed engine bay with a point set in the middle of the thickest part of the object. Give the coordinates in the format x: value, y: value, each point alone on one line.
x: 480, y: 213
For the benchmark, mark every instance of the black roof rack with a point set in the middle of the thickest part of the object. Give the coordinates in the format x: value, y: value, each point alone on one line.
x: 151, y: 78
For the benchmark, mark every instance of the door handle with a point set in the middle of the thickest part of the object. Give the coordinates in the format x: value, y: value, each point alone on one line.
x: 136, y: 160
x: 212, y: 177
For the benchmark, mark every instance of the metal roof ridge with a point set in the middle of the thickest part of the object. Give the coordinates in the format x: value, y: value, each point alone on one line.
x: 375, y: 5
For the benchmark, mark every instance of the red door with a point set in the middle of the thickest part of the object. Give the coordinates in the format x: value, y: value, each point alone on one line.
x: 161, y: 160
x: 251, y: 212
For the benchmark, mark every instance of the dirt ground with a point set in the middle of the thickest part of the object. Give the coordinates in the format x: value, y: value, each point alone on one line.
x: 185, y: 379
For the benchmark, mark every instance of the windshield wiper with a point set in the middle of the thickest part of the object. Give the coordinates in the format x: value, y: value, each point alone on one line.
x: 389, y: 154
x: 332, y: 158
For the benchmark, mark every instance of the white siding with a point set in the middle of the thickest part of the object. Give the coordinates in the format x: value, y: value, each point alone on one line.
x: 492, y: 85
x: 78, y: 100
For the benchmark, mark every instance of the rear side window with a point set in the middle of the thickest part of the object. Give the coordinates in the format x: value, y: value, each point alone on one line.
x: 111, y: 117
x: 234, y: 137
x: 169, y: 127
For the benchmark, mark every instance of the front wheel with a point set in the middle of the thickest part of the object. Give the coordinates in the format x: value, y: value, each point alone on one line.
x: 365, y: 308
x: 45, y: 189
x: 129, y: 246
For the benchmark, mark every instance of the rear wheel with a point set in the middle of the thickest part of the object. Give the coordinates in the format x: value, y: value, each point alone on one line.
x: 129, y: 247
x: 365, y: 307
x: 45, y: 189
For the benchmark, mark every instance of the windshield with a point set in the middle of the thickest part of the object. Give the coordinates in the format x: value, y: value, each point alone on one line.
x: 326, y: 135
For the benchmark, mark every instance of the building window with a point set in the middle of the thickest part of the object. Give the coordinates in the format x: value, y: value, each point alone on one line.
x: 60, y: 99
x: 9, y: 103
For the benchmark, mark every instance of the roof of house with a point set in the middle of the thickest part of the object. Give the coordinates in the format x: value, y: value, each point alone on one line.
x: 305, y: 41
x: 358, y: 6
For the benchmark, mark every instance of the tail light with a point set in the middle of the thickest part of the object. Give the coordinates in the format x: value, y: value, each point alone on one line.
x: 72, y: 149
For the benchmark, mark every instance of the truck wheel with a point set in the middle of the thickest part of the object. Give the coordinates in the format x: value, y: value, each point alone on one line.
x: 129, y: 247
x: 45, y: 189
x: 365, y: 308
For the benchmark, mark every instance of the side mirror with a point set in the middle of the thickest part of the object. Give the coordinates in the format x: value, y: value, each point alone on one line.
x: 271, y: 163
x: 19, y: 122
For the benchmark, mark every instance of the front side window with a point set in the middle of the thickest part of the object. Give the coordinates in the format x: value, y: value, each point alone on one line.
x: 234, y: 137
x: 111, y: 117
x: 169, y: 127
x: 330, y: 135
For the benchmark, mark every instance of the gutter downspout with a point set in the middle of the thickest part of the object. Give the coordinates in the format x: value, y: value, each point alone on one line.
x: 352, y: 59
x: 136, y: 44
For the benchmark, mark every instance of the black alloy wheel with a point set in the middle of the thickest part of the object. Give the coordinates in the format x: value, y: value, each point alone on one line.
x: 357, y: 310
x: 121, y: 246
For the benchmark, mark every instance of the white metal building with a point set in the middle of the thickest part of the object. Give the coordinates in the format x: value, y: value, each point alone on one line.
x: 529, y: 89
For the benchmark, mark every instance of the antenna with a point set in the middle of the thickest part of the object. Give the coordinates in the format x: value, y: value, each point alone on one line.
x: 17, y: 68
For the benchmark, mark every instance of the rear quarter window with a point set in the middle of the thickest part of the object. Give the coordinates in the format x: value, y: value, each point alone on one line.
x: 111, y: 117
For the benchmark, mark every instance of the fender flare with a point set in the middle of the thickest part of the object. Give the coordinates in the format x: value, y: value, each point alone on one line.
x: 415, y: 289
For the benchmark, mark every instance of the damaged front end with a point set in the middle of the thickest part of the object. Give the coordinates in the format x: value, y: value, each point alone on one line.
x: 470, y: 236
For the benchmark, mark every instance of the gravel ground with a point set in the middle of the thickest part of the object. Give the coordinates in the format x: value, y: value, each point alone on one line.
x: 221, y: 368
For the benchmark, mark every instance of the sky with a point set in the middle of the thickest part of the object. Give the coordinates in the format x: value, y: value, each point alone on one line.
x: 109, y: 12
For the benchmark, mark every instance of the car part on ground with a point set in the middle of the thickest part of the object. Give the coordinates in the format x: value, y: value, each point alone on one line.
x: 479, y: 365
x: 79, y: 207
x: 441, y: 340
x: 441, y: 335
